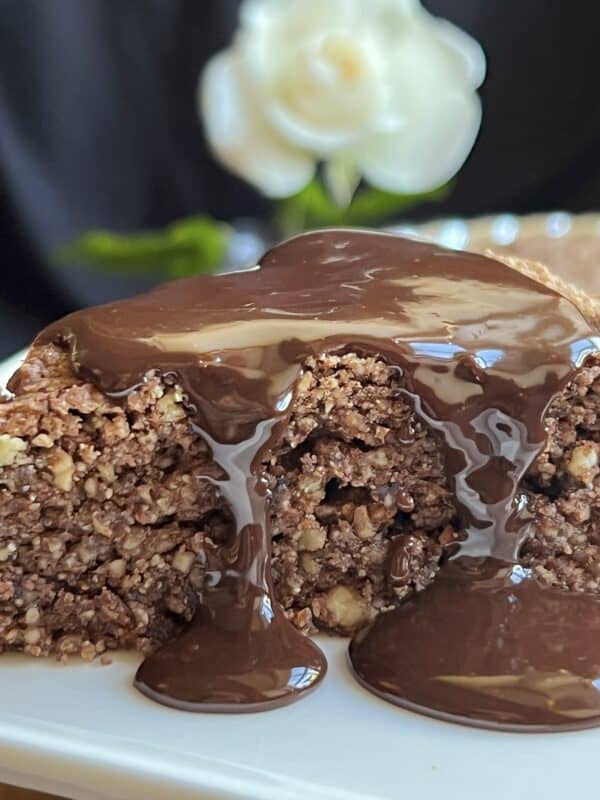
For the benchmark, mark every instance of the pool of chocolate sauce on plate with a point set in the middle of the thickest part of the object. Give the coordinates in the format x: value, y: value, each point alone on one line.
x: 482, y: 351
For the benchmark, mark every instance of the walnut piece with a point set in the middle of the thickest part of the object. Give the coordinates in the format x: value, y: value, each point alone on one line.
x: 107, y: 473
x: 7, y: 551
x: 362, y: 523
x: 10, y: 447
x: 32, y: 635
x: 117, y: 568
x: 42, y: 440
x: 62, y: 468
x: 309, y: 565
x: 32, y: 616
x: 583, y: 463
x: 170, y: 406
x: 346, y: 606
x: 312, y: 536
x: 183, y: 561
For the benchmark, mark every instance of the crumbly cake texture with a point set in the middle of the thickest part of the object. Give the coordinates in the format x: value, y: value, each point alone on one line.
x: 107, y: 530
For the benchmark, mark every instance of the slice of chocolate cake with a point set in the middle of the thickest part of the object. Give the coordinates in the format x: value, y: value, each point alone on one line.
x: 380, y: 404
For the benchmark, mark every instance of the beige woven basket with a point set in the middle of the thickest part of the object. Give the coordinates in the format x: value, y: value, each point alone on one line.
x: 567, y: 243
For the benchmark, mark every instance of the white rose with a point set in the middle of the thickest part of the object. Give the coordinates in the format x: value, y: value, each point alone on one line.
x: 374, y: 88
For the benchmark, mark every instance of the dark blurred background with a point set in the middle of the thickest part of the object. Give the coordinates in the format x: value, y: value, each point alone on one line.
x: 98, y: 128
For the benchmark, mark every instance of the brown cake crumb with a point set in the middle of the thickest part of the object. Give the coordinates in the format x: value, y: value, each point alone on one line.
x: 106, y: 528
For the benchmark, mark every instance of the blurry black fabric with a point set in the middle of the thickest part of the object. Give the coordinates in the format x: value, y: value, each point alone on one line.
x: 98, y: 128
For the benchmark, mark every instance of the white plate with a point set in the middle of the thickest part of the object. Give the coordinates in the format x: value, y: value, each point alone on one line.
x: 82, y: 731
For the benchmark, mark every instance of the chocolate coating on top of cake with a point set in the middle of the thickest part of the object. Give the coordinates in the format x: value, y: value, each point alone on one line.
x: 483, y: 349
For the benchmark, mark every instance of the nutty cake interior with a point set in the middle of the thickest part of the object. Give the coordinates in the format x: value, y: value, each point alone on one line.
x: 106, y: 533
x: 112, y: 521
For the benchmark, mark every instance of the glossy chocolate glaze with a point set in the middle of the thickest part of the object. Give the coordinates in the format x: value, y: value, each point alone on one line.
x: 487, y: 646
x: 482, y: 351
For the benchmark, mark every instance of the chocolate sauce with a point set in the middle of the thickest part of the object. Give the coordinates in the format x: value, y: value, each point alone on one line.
x: 487, y: 646
x: 239, y: 653
x: 482, y: 350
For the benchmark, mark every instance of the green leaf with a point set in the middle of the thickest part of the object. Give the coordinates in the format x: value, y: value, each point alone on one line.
x: 187, y: 247
x: 314, y: 208
x: 373, y: 206
x: 297, y: 213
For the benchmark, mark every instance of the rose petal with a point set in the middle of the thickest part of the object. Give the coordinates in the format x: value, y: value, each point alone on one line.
x: 313, y: 66
x: 321, y: 141
x: 442, y: 117
x: 422, y: 158
x: 468, y: 51
x: 242, y: 138
x: 329, y: 93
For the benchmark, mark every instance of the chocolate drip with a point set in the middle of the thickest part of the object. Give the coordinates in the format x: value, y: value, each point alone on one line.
x: 239, y: 653
x: 487, y: 646
x: 482, y: 350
